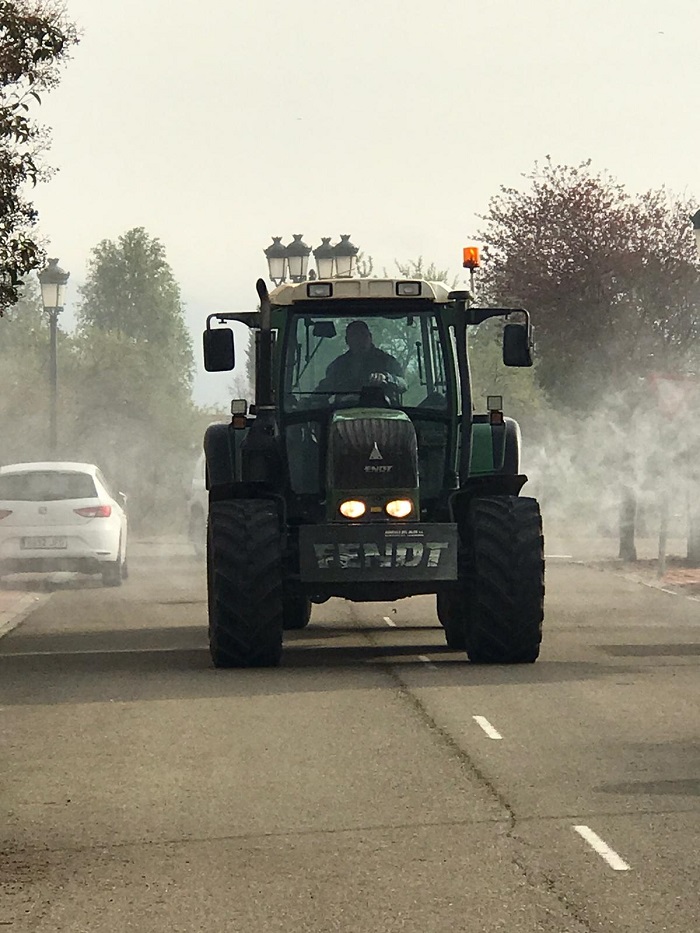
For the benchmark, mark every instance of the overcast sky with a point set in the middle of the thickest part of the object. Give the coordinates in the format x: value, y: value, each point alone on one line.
x: 218, y: 124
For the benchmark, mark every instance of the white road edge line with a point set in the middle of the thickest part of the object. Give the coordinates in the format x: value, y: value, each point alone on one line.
x: 389, y: 621
x: 487, y: 727
x: 602, y: 848
x: 426, y: 660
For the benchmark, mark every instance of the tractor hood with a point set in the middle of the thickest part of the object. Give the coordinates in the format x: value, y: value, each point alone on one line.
x: 372, y: 449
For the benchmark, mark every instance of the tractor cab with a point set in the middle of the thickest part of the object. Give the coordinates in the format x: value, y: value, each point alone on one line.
x: 364, y: 359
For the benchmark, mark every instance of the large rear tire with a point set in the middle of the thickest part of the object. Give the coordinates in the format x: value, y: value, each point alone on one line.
x: 504, y: 580
x: 244, y: 570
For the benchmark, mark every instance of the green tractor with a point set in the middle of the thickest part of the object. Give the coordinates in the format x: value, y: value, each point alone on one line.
x: 361, y: 471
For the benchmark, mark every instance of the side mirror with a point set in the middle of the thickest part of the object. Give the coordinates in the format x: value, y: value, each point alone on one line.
x: 219, y: 355
x: 517, y: 345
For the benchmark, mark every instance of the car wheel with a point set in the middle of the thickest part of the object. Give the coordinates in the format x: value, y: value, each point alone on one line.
x: 113, y: 570
x: 112, y: 573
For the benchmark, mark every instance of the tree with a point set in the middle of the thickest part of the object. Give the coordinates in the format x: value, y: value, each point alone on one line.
x: 127, y: 403
x: 25, y: 324
x: 611, y: 279
x: 24, y: 353
x: 429, y: 272
x: 131, y: 291
x: 35, y: 39
x: 488, y: 374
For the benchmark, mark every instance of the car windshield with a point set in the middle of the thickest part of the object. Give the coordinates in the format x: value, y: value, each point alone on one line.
x: 331, y: 359
x: 46, y: 486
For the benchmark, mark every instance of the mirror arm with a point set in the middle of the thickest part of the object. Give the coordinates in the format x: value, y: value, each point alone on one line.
x: 249, y: 318
x: 479, y: 315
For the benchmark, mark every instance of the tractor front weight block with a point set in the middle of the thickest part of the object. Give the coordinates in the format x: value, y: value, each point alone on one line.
x: 386, y: 553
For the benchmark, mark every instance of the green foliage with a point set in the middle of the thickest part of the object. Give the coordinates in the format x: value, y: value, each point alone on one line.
x: 611, y: 279
x: 34, y: 39
x: 522, y: 397
x: 25, y: 325
x: 122, y: 409
x: 24, y: 363
x: 130, y: 406
x: 429, y: 272
x: 131, y: 291
x: 123, y: 382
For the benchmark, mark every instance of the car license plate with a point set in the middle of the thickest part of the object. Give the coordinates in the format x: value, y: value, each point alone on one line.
x: 46, y: 542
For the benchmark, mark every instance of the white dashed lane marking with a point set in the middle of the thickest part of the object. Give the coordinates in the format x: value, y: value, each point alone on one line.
x: 426, y: 660
x: 487, y: 727
x: 389, y: 622
x: 616, y: 862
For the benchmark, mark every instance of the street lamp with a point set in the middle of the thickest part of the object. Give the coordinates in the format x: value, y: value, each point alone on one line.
x: 298, y: 258
x: 325, y: 258
x: 292, y: 261
x: 696, y: 229
x: 277, y: 260
x: 345, y: 255
x: 53, y: 281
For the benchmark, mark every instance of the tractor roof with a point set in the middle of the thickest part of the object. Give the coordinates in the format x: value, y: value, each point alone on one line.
x: 339, y: 289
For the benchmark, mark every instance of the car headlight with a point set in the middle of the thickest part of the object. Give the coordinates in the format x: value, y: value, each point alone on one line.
x: 352, y: 508
x: 399, y: 508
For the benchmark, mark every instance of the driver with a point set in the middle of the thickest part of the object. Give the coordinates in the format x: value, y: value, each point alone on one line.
x: 363, y: 364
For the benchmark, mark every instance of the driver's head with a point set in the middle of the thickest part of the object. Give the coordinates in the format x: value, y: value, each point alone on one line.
x: 358, y: 337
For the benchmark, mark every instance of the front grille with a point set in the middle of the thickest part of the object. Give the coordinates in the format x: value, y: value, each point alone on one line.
x: 372, y: 453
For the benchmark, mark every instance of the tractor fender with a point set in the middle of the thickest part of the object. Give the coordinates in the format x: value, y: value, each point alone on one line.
x: 495, y: 447
x: 220, y: 454
x: 510, y: 440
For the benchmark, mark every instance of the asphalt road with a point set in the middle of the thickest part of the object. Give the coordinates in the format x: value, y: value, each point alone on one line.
x: 375, y: 782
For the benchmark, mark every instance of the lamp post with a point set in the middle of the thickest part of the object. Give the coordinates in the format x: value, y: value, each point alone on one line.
x: 325, y: 258
x: 292, y: 261
x: 345, y: 257
x: 276, y: 260
x: 693, y: 552
x: 298, y: 258
x: 53, y: 281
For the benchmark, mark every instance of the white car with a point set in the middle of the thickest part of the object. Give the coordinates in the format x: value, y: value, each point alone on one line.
x: 61, y: 516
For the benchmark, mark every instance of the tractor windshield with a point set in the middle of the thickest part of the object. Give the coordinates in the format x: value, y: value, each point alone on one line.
x: 332, y: 359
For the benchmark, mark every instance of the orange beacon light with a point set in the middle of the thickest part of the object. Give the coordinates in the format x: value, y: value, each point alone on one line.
x: 470, y: 257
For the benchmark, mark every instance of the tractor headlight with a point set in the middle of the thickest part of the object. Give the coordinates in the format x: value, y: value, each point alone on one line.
x: 352, y: 508
x: 399, y: 508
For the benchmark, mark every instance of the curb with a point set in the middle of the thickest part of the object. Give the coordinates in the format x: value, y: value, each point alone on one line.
x: 23, y: 607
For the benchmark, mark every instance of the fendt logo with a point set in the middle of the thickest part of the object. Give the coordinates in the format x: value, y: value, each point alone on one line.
x: 375, y: 454
x: 367, y: 555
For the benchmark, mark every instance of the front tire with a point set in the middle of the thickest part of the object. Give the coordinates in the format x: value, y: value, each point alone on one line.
x: 244, y: 563
x: 504, y: 569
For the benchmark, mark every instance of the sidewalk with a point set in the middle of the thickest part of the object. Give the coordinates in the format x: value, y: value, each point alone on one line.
x: 17, y: 603
x: 602, y: 552
x: 15, y: 606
